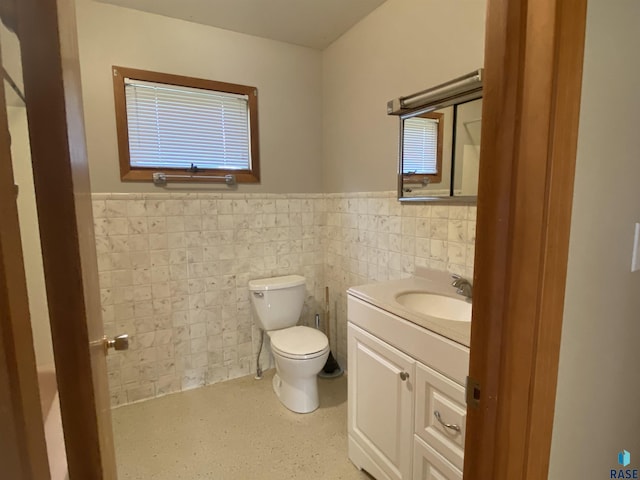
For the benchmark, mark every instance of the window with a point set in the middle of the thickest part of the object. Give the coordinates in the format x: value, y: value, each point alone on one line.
x: 422, y: 147
x: 180, y: 125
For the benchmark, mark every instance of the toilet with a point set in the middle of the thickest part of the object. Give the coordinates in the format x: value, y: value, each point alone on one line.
x: 299, y: 352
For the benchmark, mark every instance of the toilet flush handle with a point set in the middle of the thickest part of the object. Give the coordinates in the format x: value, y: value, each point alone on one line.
x: 258, y: 294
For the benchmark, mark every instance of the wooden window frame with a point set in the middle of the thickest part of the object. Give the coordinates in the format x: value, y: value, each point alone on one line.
x: 129, y: 173
x: 433, y: 177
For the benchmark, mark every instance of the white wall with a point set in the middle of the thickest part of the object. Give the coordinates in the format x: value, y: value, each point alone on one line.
x: 288, y: 79
x: 309, y: 101
x: 402, y: 47
x: 323, y: 122
x: 598, y: 399
x: 30, y: 235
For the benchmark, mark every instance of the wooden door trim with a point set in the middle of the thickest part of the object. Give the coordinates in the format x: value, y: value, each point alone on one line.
x: 533, y: 68
x: 23, y: 453
x: 48, y: 40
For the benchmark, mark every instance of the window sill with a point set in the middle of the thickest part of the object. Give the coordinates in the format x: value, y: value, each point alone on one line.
x: 419, y: 177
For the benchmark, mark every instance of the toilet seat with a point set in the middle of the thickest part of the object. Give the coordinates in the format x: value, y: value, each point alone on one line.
x: 300, y: 357
x: 299, y: 343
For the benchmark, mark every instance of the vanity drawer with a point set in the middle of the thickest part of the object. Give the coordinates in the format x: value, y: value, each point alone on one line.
x: 437, y: 393
x: 430, y: 465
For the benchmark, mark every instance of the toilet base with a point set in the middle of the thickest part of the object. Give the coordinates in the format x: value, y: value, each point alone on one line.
x: 301, y: 397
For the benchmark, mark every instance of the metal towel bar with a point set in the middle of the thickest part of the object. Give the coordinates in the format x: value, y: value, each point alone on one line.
x: 161, y: 179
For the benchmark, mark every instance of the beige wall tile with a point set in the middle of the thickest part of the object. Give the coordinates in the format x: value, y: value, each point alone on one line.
x: 174, y: 270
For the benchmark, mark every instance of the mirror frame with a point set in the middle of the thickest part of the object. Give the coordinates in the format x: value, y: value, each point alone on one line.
x: 455, y: 92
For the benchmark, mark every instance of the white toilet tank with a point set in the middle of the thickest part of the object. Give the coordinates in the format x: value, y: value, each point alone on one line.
x: 277, y: 301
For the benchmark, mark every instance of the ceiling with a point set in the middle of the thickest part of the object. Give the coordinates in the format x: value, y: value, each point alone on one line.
x: 310, y: 23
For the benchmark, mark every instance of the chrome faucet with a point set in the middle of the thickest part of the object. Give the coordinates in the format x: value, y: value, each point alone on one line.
x: 463, y: 286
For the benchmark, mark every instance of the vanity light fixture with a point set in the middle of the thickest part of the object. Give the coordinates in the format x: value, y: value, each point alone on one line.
x: 457, y: 90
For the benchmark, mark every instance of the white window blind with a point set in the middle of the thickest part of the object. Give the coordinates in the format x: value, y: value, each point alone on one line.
x: 173, y: 126
x: 420, y: 146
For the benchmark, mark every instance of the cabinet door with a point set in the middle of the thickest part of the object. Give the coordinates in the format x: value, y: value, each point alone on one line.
x: 430, y: 465
x: 381, y: 382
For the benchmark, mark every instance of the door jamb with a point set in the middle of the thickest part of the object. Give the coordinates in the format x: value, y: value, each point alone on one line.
x: 23, y: 452
x: 51, y: 71
x: 533, y: 68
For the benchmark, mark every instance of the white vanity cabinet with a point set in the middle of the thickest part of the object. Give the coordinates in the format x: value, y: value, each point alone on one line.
x: 400, y: 375
x: 381, y: 402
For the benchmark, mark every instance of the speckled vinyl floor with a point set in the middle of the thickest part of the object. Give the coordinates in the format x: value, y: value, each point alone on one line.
x: 236, y: 430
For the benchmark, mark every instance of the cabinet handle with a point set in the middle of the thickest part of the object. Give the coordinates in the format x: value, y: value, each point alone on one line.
x: 404, y: 376
x: 450, y: 426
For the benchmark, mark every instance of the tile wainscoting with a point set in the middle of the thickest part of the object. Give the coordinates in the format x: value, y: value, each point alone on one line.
x: 372, y: 237
x: 174, y: 270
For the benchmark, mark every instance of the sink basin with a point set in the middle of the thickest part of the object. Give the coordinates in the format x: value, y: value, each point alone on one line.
x: 436, y: 305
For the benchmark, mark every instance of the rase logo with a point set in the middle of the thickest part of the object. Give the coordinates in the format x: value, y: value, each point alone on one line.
x: 624, y: 459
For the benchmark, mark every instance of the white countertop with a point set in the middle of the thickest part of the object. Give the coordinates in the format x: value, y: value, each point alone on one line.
x: 383, y: 295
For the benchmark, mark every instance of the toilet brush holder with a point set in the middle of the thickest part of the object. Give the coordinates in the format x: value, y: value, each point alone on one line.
x: 331, y: 368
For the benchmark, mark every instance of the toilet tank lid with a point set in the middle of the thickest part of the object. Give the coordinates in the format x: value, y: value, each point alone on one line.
x: 276, y: 283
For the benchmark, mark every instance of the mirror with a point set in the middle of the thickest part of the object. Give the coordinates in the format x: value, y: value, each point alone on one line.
x: 440, y: 152
x: 439, y: 143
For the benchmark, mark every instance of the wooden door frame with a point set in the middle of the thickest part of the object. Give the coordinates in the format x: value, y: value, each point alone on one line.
x: 533, y: 68
x: 23, y: 453
x: 51, y: 71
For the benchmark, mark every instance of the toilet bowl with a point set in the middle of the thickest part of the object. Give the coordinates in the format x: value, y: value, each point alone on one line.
x: 299, y: 352
x: 296, y: 380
